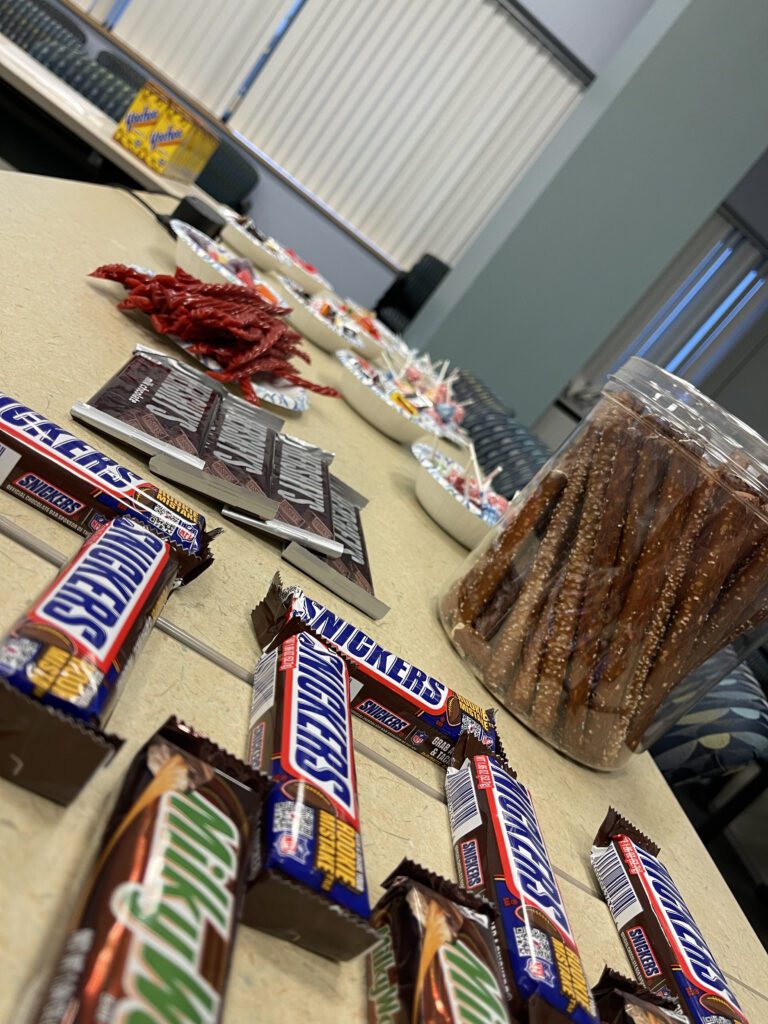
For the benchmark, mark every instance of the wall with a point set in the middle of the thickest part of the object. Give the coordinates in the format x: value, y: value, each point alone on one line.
x: 591, y: 29
x: 648, y: 154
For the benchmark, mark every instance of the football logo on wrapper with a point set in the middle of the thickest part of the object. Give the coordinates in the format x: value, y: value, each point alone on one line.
x: 319, y: 727
x: 97, y: 599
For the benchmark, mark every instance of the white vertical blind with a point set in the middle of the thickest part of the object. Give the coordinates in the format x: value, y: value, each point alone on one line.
x: 206, y: 46
x: 411, y: 120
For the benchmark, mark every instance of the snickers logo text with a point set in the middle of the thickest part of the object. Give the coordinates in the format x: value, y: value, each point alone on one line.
x: 643, y: 952
x: 97, y: 598
x: 41, y: 489
x: 319, y: 742
x: 470, y: 862
x: 527, y: 869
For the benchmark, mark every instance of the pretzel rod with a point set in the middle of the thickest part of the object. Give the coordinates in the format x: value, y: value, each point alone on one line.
x: 604, y: 577
x: 535, y: 645
x: 512, y: 634
x: 552, y: 675
x: 480, y: 583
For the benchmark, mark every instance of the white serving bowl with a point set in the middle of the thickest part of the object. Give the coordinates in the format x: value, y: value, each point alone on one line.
x: 317, y: 329
x: 448, y: 512
x: 265, y: 258
x: 192, y: 257
x: 381, y: 414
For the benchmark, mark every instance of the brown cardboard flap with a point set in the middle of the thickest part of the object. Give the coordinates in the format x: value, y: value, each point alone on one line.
x: 278, y: 906
x: 46, y: 751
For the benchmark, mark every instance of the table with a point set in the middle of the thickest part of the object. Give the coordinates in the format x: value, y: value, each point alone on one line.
x: 83, y: 118
x: 62, y: 337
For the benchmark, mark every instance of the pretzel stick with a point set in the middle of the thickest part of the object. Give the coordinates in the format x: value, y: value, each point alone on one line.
x: 536, y: 643
x: 604, y: 577
x: 552, y: 674
x: 510, y: 639
x: 479, y: 585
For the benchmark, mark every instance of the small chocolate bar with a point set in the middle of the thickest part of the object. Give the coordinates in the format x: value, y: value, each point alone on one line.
x: 310, y: 887
x: 437, y: 959
x: 71, y: 649
x: 68, y: 479
x: 388, y: 692
x: 153, y: 937
x: 620, y: 1000
x: 500, y: 854
x: 663, y: 942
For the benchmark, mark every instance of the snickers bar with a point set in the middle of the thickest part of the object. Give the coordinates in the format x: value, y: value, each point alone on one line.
x: 500, y: 854
x: 388, y: 692
x: 620, y: 1000
x: 663, y: 942
x: 47, y: 467
x: 437, y: 959
x: 73, y: 646
x: 311, y: 884
x: 154, y: 936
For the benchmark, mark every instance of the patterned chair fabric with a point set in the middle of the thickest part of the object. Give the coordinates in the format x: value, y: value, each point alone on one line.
x: 725, y: 730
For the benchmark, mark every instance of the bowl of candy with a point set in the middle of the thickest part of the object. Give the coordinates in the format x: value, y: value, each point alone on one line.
x: 321, y: 320
x: 459, y: 499
x: 269, y: 255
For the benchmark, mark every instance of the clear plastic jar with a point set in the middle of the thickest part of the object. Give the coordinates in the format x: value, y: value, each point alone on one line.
x: 633, y: 556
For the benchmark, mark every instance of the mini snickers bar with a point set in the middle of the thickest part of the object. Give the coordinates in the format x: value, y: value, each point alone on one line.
x: 663, y: 942
x: 47, y: 467
x: 311, y: 884
x: 73, y: 646
x: 500, y: 854
x: 620, y: 1000
x: 437, y: 958
x: 396, y: 697
x: 153, y: 938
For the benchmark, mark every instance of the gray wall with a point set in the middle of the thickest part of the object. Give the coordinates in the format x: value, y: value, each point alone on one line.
x: 671, y: 126
x: 591, y: 29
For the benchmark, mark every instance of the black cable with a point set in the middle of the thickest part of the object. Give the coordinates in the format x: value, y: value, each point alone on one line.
x: 161, y: 218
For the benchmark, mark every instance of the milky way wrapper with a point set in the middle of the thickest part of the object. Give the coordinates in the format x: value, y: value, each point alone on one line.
x: 67, y: 657
x: 69, y: 480
x: 310, y: 885
x: 620, y: 1000
x: 391, y: 694
x: 667, y: 951
x: 501, y: 854
x: 438, y: 960
x: 152, y: 938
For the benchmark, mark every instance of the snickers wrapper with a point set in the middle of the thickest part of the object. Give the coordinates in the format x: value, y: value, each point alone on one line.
x: 72, y: 648
x: 152, y: 939
x: 663, y: 942
x: 620, y: 1000
x: 310, y: 886
x: 69, y: 480
x: 500, y: 854
x: 437, y: 960
x: 394, y: 696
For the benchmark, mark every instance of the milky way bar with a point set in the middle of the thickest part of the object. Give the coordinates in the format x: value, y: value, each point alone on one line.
x: 437, y: 961
x: 500, y: 854
x: 663, y: 942
x: 75, y: 643
x: 153, y: 938
x: 396, y: 697
x: 74, y: 483
x: 311, y: 886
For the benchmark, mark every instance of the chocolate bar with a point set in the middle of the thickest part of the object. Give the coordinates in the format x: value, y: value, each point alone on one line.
x: 388, y: 692
x: 437, y: 961
x: 620, y: 1000
x: 73, y: 646
x: 349, y: 574
x: 47, y: 467
x: 663, y: 942
x: 153, y: 938
x: 500, y: 854
x: 310, y: 887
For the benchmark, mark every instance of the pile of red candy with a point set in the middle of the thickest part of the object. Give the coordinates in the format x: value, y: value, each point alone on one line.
x: 243, y: 332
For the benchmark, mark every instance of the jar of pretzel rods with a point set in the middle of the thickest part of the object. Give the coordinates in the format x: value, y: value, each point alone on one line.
x: 636, y: 554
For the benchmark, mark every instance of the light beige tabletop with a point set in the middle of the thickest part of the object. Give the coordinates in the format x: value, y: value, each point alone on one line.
x: 61, y: 338
x: 83, y: 118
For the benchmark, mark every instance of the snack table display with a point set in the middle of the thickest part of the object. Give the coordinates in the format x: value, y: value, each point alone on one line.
x: 62, y: 339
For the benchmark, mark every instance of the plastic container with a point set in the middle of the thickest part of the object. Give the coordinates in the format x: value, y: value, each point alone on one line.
x: 635, y: 554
